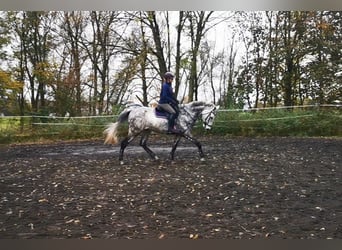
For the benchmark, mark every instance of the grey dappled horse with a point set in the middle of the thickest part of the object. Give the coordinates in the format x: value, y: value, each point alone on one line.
x: 143, y: 120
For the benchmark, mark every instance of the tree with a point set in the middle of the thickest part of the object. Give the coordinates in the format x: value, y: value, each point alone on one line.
x: 9, y: 90
x: 87, y: 61
x: 106, y: 34
x: 152, y: 23
x: 272, y: 74
x: 214, y: 64
x: 230, y: 95
x: 249, y: 75
x: 34, y: 32
x: 92, y: 38
x: 11, y: 85
x: 178, y: 58
x: 152, y: 45
x: 73, y: 26
x: 197, y: 21
x: 5, y: 36
x: 324, y: 32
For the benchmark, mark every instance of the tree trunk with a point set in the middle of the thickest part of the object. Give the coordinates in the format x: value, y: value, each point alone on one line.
x: 159, y: 53
x: 180, y: 26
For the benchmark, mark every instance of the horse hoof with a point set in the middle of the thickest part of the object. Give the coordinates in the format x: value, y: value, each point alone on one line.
x: 156, y: 158
x: 121, y: 162
x: 202, y: 159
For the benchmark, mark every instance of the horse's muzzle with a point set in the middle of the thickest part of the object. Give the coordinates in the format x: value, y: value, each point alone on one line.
x: 207, y: 127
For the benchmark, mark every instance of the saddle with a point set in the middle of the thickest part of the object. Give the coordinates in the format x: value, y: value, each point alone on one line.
x: 161, y: 113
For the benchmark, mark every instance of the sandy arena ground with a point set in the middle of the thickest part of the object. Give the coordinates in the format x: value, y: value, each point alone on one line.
x: 247, y: 188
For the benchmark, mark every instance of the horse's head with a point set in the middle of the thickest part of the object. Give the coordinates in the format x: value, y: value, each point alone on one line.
x: 208, y: 115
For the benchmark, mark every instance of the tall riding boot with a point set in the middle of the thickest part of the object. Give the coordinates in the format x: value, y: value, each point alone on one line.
x: 171, y: 124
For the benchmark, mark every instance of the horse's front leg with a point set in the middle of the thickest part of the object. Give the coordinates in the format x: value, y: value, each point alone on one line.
x: 198, y: 144
x: 174, y: 147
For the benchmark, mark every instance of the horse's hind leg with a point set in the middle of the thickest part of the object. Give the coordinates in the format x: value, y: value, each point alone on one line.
x: 124, y: 144
x: 143, y: 143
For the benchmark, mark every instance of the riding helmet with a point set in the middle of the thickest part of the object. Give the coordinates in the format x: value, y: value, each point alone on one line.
x: 168, y: 75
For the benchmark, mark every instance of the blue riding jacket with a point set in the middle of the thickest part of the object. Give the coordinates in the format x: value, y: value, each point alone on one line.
x: 167, y: 96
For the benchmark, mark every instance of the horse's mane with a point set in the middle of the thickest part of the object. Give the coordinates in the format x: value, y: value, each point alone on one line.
x: 196, y: 105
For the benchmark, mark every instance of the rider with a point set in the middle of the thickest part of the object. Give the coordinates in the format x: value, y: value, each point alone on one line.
x: 169, y: 103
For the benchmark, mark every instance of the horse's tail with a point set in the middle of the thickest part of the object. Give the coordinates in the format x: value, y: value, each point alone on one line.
x: 111, y: 131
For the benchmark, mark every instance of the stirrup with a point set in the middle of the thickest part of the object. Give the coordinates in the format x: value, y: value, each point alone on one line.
x: 174, y: 131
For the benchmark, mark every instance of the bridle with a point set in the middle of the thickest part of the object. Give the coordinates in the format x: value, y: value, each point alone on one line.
x: 208, y: 118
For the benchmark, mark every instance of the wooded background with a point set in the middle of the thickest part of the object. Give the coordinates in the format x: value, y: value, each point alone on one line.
x: 91, y: 62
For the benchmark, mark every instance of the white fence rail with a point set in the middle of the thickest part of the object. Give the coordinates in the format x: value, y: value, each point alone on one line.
x: 284, y: 107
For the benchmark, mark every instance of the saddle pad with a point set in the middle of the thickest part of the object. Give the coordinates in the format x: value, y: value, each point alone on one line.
x: 160, y: 113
